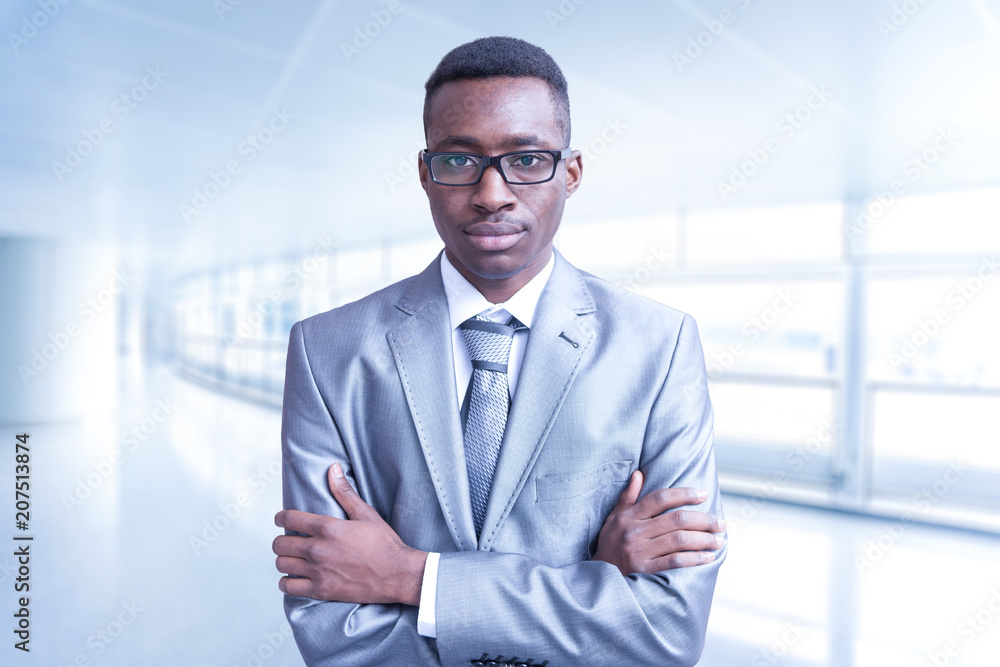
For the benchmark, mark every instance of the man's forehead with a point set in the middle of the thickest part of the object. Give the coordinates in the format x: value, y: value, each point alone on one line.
x: 520, y: 111
x: 454, y: 97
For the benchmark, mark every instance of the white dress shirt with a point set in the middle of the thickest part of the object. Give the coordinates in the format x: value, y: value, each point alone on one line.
x: 465, y: 301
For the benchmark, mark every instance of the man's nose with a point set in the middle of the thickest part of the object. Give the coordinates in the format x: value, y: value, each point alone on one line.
x: 492, y: 192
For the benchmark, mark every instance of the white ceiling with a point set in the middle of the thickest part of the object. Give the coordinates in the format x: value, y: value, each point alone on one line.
x: 683, y: 129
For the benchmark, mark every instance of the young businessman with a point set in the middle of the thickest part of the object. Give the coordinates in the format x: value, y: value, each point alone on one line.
x: 501, y: 415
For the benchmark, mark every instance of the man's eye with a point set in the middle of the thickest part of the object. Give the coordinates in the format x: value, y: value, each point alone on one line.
x: 459, y: 161
x: 529, y: 160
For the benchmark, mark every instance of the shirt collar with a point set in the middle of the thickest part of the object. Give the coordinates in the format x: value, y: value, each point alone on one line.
x: 465, y: 301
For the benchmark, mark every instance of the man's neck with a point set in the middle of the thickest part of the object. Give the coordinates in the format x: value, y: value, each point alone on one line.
x: 500, y: 290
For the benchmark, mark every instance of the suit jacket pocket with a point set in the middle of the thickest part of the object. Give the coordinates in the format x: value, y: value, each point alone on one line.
x: 572, y: 507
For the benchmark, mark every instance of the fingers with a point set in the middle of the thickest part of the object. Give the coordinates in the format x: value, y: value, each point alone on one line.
x: 298, y: 587
x: 346, y: 496
x: 294, y: 566
x: 681, y: 541
x: 661, y: 500
x: 680, y: 559
x: 685, y: 520
x: 631, y: 492
x: 301, y: 522
x: 343, y: 493
x: 290, y: 545
x: 683, y: 530
x: 681, y: 548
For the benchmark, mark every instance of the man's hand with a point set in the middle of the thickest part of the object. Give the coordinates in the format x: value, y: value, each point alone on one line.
x: 639, y: 537
x: 358, y: 559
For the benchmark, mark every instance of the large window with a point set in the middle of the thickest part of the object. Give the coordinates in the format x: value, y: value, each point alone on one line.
x: 849, y: 345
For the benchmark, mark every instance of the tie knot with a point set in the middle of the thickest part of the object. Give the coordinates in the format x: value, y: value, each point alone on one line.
x: 488, y: 342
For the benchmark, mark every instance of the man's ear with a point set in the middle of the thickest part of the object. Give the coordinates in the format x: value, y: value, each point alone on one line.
x: 422, y: 170
x: 574, y: 172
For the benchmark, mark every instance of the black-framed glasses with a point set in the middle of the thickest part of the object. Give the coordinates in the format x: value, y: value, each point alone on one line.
x: 517, y: 168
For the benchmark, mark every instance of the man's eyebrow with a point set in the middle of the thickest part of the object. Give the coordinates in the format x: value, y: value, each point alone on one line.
x: 513, y: 140
x: 459, y: 140
x: 524, y: 140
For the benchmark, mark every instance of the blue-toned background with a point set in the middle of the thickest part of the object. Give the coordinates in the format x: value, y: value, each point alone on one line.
x: 817, y: 183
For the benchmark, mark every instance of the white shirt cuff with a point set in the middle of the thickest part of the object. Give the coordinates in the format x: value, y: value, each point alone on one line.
x: 426, y: 617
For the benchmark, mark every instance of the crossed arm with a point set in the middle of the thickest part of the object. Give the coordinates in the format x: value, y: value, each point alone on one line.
x: 361, y: 559
x: 345, y: 556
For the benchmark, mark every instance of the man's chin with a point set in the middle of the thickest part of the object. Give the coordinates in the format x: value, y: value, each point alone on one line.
x: 497, y: 272
x: 496, y: 266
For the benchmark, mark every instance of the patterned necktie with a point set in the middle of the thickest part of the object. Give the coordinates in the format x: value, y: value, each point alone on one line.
x: 486, y: 403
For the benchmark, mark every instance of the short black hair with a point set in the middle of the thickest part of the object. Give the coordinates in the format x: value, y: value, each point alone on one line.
x: 490, y: 57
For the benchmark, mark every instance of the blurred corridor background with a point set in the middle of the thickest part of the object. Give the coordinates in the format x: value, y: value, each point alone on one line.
x: 816, y: 183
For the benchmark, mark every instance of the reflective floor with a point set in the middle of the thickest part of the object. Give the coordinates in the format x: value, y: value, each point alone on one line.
x: 152, y: 547
x: 159, y: 555
x: 804, y: 587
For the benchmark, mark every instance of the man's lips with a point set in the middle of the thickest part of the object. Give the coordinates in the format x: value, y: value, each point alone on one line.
x: 493, y: 236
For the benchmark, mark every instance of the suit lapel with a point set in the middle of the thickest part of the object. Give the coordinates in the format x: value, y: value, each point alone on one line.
x: 557, y: 343
x: 421, y: 347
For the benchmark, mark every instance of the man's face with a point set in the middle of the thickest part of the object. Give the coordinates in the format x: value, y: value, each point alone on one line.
x: 493, y: 230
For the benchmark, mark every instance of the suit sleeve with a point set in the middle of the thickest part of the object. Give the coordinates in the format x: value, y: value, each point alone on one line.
x: 588, y: 613
x: 333, y: 633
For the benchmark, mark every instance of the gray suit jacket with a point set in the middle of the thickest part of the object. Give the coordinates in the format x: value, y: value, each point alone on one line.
x: 610, y: 382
